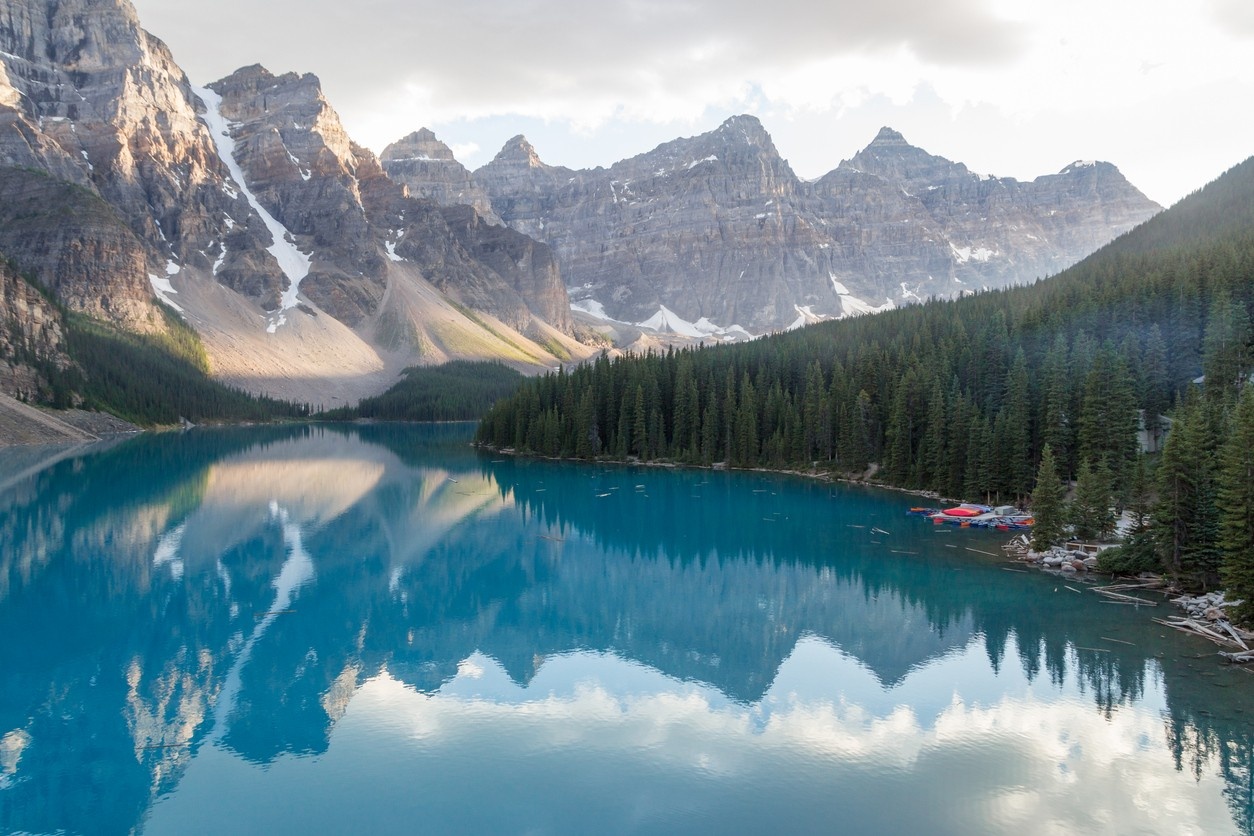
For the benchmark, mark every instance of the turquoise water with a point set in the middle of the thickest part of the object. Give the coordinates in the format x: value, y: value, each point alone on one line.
x: 378, y: 630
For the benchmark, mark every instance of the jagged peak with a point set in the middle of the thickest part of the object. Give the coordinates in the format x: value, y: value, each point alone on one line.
x: 518, y: 149
x: 256, y: 78
x: 421, y: 144
x: 1096, y: 166
x: 747, y: 126
x: 888, y: 136
x: 743, y: 120
x: 890, y: 155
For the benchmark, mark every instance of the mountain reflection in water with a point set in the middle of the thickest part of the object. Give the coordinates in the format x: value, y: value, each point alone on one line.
x: 370, y: 627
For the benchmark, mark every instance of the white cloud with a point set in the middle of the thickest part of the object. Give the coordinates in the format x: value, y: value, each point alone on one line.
x: 825, y: 740
x: 1036, y: 72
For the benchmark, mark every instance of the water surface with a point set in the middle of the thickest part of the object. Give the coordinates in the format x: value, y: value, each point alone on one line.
x: 377, y: 629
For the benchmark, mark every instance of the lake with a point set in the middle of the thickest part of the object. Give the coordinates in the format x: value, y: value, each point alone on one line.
x: 378, y: 629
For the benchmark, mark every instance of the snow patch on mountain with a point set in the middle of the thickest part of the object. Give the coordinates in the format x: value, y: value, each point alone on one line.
x: 666, y: 320
x: 294, y: 264
x: 592, y: 308
x: 965, y: 254
x: 851, y: 305
x: 162, y: 287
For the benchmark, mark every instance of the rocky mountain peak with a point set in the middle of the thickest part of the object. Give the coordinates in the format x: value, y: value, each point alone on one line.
x: 888, y: 136
x: 1098, y: 168
x: 94, y: 100
x: 890, y: 156
x: 427, y: 168
x: 745, y: 126
x: 422, y: 145
x: 518, y: 150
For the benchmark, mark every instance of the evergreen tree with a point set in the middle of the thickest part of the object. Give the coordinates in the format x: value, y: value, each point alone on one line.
x: 1185, y: 517
x: 1016, y: 416
x: 639, y: 426
x: 1108, y: 418
x: 1091, y: 513
x: 1236, y: 501
x: 1155, y: 394
x: 1048, y: 509
x: 1225, y: 348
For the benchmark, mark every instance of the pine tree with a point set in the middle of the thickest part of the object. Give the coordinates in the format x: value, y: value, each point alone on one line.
x: 1091, y: 514
x: 1047, y: 503
x: 1155, y: 394
x: 1185, y: 517
x: 639, y: 426
x: 1016, y: 430
x: 1108, y: 419
x: 1225, y: 348
x: 1236, y: 500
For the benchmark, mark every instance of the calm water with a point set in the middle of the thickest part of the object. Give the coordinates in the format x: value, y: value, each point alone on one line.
x: 376, y: 629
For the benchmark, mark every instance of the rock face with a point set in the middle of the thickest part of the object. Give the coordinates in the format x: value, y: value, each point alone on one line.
x: 246, y: 206
x: 428, y: 169
x: 76, y: 245
x: 301, y: 166
x: 32, y: 338
x: 718, y: 227
x: 90, y: 98
x: 353, y: 221
x: 997, y: 231
x: 489, y: 268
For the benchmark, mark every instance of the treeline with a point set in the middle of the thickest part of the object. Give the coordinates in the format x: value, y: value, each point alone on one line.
x: 156, y: 378
x: 458, y: 391
x: 960, y: 397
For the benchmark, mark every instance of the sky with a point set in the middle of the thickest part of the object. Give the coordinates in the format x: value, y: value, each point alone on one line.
x: 1014, y: 88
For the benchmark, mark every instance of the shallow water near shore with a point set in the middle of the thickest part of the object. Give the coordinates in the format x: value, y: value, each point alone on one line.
x: 337, y: 629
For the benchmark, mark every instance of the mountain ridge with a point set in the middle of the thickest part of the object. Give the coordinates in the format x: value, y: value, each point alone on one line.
x: 893, y: 224
x: 315, y: 271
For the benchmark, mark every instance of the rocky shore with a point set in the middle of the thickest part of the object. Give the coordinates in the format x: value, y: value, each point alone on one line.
x: 1204, y: 616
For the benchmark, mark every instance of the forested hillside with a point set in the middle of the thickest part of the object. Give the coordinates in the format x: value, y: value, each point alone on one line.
x: 50, y: 356
x: 459, y: 391
x: 158, y: 378
x: 959, y: 397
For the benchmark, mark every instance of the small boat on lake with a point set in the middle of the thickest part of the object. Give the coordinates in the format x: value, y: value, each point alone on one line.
x: 973, y: 515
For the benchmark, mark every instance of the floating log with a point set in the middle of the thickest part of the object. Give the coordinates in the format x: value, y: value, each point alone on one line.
x: 1142, y: 585
x: 1127, y: 598
x: 977, y: 551
x: 1242, y: 658
x: 1117, y: 641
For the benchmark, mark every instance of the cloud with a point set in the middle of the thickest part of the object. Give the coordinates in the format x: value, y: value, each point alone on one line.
x: 1047, y: 82
x: 1236, y: 15
x: 555, y: 59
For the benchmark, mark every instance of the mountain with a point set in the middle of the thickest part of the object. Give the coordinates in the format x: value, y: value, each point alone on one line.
x: 246, y: 207
x: 956, y: 396
x: 32, y: 339
x: 428, y: 168
x: 313, y: 271
x: 718, y: 228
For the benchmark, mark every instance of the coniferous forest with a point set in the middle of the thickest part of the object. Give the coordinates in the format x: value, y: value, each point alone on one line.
x: 157, y: 378
x: 1143, y: 347
x: 461, y: 390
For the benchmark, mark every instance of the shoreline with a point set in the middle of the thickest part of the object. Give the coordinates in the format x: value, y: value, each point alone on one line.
x: 1043, y: 562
